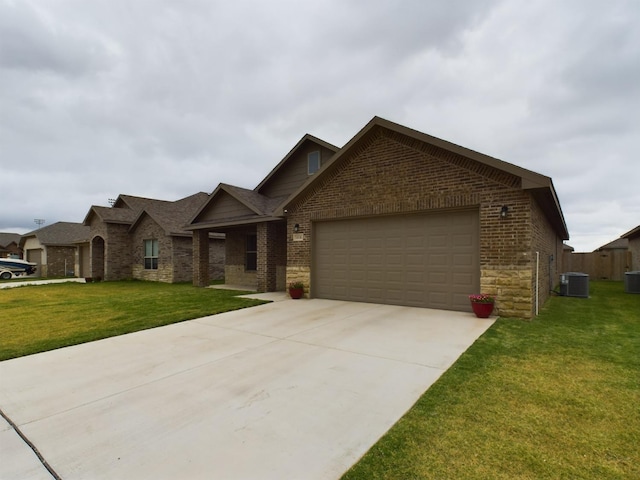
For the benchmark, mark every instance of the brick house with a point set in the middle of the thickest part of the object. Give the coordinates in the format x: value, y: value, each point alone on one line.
x: 145, y: 239
x: 60, y: 249
x: 633, y: 247
x: 395, y: 216
x: 10, y: 245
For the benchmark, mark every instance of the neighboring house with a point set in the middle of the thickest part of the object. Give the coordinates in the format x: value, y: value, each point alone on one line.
x: 633, y: 237
x: 145, y: 239
x: 620, y: 244
x: 60, y: 249
x: 10, y: 245
x: 395, y: 216
x: 608, y: 262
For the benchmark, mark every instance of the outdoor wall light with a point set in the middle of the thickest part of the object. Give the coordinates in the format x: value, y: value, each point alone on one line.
x: 503, y: 211
x: 296, y: 228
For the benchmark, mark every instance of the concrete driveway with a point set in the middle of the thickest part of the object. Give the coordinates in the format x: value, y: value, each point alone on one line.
x: 288, y: 390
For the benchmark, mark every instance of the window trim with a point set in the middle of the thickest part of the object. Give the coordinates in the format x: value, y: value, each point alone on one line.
x: 315, y: 152
x: 152, y: 259
x: 251, y: 241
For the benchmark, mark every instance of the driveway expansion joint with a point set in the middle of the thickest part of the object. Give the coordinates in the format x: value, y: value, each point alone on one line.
x: 30, y: 444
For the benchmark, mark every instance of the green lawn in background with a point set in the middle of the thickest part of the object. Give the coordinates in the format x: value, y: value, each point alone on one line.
x: 39, y: 318
x: 557, y: 397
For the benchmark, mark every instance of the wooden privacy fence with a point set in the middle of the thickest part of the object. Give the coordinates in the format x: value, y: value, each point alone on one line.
x: 604, y: 265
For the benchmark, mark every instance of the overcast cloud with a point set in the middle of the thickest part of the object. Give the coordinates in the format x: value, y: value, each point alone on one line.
x: 164, y: 99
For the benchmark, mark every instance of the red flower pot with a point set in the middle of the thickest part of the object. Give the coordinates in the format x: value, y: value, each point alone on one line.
x: 482, y: 310
x: 296, y: 293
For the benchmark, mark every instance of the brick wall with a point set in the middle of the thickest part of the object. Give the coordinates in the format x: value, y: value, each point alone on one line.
x: 272, y: 256
x: 549, y: 246
x: 117, y: 252
x: 61, y: 261
x: 148, y: 229
x: 235, y: 272
x: 182, y: 259
x: 11, y: 249
x: 393, y: 174
x: 216, y: 259
x: 200, y: 258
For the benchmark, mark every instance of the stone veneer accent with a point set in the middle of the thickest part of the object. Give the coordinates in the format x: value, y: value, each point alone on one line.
x: 300, y: 274
x: 394, y: 174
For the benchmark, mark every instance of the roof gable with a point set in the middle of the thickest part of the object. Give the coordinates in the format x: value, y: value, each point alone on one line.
x: 540, y: 185
x: 171, y: 216
x: 228, y: 204
x: 123, y: 215
x: 291, y: 171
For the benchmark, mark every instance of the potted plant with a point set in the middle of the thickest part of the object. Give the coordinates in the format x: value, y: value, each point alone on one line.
x: 296, y: 290
x: 482, y: 304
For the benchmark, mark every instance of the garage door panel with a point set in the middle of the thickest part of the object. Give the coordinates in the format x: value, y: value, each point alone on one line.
x: 394, y: 278
x: 419, y: 260
x: 415, y: 241
x: 393, y: 260
x: 437, y: 260
x: 415, y: 259
x: 462, y: 240
x: 375, y: 260
x: 437, y: 241
x: 437, y: 278
x: 462, y: 260
x: 462, y: 279
x: 415, y: 277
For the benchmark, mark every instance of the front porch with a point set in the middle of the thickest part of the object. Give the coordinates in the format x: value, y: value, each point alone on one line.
x: 255, y: 256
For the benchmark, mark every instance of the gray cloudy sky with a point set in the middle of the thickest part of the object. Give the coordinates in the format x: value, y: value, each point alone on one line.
x: 163, y: 99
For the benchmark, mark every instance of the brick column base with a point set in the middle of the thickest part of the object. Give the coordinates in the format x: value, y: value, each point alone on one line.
x: 201, y: 258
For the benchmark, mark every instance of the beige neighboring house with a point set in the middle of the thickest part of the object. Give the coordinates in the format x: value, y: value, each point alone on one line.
x: 10, y: 245
x: 60, y: 249
x: 633, y: 246
x: 145, y: 239
x: 396, y: 217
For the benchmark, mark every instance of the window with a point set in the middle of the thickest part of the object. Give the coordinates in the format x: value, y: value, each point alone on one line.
x: 313, y: 162
x: 252, y: 253
x: 151, y: 254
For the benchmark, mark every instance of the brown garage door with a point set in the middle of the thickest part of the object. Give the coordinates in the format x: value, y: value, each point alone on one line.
x: 423, y: 260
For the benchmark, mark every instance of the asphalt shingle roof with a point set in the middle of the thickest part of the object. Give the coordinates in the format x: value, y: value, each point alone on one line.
x: 8, y: 238
x: 263, y: 204
x: 171, y: 216
x: 61, y: 233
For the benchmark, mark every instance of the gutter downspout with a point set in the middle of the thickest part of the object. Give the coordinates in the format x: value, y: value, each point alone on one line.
x: 537, y: 277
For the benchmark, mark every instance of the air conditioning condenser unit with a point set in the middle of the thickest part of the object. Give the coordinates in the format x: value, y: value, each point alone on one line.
x: 632, y: 282
x: 574, y: 284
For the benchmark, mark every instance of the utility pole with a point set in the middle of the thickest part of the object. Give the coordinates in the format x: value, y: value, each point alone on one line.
x: 39, y: 221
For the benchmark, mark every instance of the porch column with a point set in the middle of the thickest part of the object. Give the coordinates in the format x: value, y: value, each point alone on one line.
x: 266, y: 275
x: 200, y: 258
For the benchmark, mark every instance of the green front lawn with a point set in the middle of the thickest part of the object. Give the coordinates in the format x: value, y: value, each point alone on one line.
x: 39, y: 318
x: 556, y: 397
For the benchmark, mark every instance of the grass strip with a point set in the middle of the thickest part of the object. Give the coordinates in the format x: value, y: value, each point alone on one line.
x: 39, y: 318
